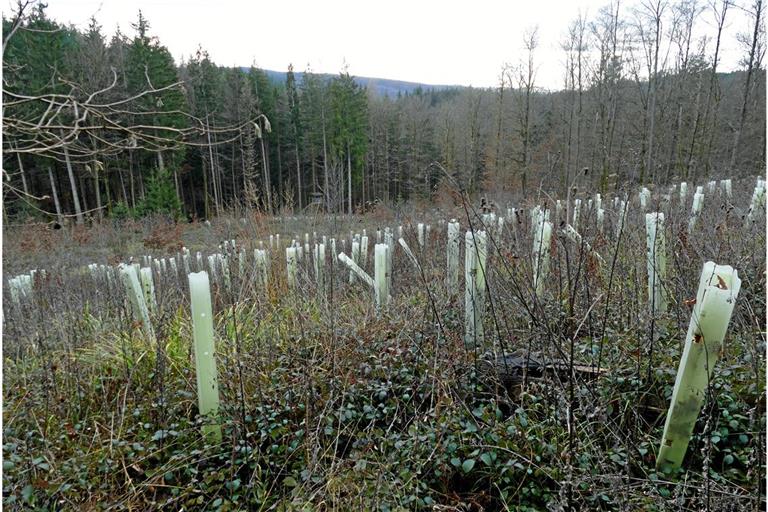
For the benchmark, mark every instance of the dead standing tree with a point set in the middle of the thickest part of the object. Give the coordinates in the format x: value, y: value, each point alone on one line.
x: 524, y: 75
x: 755, y: 46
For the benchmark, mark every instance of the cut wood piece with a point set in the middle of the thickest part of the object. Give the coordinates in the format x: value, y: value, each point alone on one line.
x: 511, y: 370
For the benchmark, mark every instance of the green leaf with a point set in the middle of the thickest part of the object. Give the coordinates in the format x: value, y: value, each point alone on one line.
x: 468, y: 465
x: 40, y: 463
x: 456, y: 461
x: 27, y: 492
x: 486, y: 458
x: 289, y: 481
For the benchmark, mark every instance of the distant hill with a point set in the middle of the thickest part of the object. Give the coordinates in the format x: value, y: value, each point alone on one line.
x: 391, y: 88
x: 382, y: 86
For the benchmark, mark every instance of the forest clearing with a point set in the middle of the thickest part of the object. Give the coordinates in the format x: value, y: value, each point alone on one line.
x: 548, y: 383
x: 234, y: 288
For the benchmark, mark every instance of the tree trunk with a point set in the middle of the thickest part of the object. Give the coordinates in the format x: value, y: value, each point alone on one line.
x: 176, y: 185
x: 579, y: 82
x: 388, y: 182
x: 213, y: 168
x: 326, y: 189
x: 55, y: 195
x: 142, y: 189
x: 298, y: 177
x: 652, y: 108
x: 232, y: 172
x: 97, y: 190
x: 133, y: 185
x: 349, y: 178
x: 206, y: 200
x: 712, y: 85
x: 122, y: 186
x: 219, y: 177
x: 366, y: 164
x: 83, y: 194
x: 526, y: 128
x: 73, y: 184
x: 499, y: 124
x: 267, y: 185
x: 107, y: 190
x: 750, y: 69
x: 280, y: 195
x: 23, y: 176
x: 696, y: 122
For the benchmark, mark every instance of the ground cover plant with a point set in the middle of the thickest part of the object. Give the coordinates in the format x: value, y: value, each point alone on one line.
x: 328, y: 401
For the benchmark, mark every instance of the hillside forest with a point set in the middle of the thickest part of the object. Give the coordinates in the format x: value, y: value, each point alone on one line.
x: 100, y: 125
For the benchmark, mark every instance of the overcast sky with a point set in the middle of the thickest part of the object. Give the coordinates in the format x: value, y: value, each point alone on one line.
x: 429, y: 41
